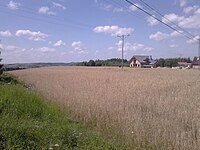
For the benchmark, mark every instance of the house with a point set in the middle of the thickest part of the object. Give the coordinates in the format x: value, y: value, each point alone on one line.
x: 184, y: 65
x: 141, y: 61
x: 196, y: 64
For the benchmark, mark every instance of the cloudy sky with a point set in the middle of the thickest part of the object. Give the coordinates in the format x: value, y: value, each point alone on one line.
x: 77, y: 30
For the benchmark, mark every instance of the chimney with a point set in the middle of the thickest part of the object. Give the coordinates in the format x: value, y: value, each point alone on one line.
x: 150, y: 57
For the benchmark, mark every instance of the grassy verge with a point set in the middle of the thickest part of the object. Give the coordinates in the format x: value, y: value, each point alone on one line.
x: 29, y: 122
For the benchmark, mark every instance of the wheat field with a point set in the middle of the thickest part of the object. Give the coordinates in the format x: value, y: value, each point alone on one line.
x: 139, y: 108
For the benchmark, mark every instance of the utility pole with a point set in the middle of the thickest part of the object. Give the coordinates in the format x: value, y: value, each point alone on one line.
x: 123, y: 40
x: 199, y: 54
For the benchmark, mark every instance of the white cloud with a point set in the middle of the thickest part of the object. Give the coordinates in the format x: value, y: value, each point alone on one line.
x: 60, y: 43
x: 109, y: 7
x: 172, y: 18
x: 35, y: 36
x: 197, y: 12
x: 13, y: 5
x: 190, y: 9
x: 133, y: 8
x: 159, y: 36
x: 118, y: 10
x: 6, y: 33
x: 45, y: 10
x: 16, y: 54
x: 173, y: 45
x: 45, y: 49
x: 152, y: 21
x: 78, y: 47
x: 113, y: 30
x: 182, y: 3
x: 111, y: 48
x: 133, y: 47
x: 194, y: 40
x: 8, y: 47
x: 176, y: 34
x: 11, y: 47
x: 191, y: 22
x: 59, y: 5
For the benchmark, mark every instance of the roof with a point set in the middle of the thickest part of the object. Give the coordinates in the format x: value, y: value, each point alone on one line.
x: 152, y: 62
x: 196, y: 62
x: 140, y: 58
x: 143, y: 59
x: 183, y: 63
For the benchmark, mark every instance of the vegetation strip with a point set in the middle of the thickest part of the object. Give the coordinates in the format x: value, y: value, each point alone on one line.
x: 29, y: 122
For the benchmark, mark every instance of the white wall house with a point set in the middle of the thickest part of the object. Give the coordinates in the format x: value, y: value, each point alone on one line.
x: 141, y: 61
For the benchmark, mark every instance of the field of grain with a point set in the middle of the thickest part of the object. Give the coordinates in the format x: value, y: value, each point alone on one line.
x: 141, y: 108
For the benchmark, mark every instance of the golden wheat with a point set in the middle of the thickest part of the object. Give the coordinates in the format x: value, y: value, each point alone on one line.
x: 143, y: 108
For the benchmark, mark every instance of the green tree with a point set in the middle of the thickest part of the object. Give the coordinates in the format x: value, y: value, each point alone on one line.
x: 91, y: 63
x: 161, y: 62
x: 98, y: 62
x: 1, y: 65
x: 107, y: 62
x: 171, y: 62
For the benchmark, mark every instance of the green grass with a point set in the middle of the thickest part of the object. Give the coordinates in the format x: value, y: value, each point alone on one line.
x: 8, y: 79
x: 27, y: 121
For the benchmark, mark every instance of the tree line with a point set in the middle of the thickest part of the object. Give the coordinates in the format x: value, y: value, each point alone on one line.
x: 107, y: 62
x: 162, y: 62
x: 172, y: 62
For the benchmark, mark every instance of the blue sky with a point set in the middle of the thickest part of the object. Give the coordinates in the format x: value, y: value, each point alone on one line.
x: 77, y: 30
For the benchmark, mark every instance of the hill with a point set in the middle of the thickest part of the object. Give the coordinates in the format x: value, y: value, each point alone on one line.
x: 18, y: 66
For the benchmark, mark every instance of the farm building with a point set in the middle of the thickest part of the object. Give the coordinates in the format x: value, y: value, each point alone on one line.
x: 196, y: 64
x: 141, y: 61
x: 184, y: 64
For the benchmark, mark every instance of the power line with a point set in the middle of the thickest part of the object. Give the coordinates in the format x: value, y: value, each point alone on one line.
x: 156, y: 11
x: 158, y: 19
x: 147, y: 6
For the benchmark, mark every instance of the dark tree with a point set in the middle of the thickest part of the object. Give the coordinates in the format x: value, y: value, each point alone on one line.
x: 161, y: 62
x: 91, y: 63
x: 107, y: 62
x: 1, y: 65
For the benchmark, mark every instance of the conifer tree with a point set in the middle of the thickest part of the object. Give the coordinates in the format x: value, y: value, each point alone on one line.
x: 1, y: 65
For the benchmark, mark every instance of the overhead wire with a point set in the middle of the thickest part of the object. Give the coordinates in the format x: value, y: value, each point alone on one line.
x: 148, y: 13
x: 161, y: 15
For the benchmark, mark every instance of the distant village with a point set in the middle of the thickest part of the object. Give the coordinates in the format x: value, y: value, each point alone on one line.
x: 175, y: 63
x: 142, y: 61
x: 137, y: 61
